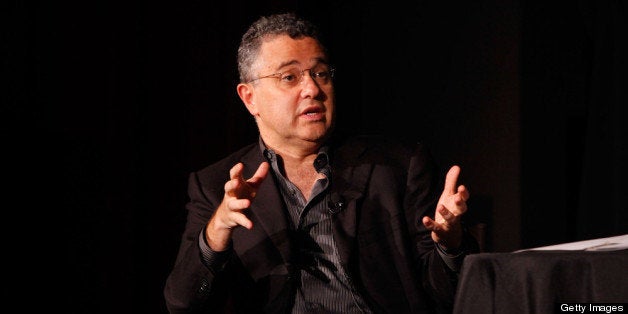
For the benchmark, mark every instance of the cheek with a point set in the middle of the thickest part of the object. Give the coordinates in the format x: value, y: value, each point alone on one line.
x: 280, y: 107
x: 276, y: 112
x: 279, y: 104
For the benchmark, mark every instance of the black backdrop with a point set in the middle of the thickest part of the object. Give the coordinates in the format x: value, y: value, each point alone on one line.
x: 126, y: 98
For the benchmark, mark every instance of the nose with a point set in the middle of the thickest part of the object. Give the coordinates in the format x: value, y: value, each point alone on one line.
x: 307, y: 74
x: 309, y: 85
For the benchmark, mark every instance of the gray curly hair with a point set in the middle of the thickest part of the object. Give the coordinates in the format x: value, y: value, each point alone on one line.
x: 277, y: 24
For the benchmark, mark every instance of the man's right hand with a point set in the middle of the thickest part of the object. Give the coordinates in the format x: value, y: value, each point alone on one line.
x: 239, y: 193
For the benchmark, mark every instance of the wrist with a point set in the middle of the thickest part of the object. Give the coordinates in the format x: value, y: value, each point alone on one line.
x: 217, y: 237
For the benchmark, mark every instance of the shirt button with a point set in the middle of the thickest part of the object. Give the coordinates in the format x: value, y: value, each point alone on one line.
x: 320, y: 162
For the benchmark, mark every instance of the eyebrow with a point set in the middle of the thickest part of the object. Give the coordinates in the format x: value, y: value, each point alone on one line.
x: 317, y: 60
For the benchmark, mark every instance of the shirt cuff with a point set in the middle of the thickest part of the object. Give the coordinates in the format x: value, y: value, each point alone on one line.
x: 214, y: 260
x: 453, y: 258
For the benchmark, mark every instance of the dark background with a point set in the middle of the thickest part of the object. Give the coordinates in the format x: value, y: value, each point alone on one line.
x: 112, y: 104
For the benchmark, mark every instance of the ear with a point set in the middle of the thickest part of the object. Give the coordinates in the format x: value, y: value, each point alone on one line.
x: 247, y: 95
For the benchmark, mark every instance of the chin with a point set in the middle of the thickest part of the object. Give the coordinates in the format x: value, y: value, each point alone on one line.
x: 315, y: 136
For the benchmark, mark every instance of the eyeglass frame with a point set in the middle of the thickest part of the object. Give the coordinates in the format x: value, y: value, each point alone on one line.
x: 331, y: 70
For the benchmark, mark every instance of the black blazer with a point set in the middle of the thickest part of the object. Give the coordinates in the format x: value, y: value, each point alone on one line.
x: 389, y: 255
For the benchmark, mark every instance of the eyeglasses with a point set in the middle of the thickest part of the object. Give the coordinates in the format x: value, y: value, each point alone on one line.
x: 321, y: 74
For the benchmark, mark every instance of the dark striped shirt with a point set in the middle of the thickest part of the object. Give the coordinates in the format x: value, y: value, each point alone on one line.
x: 324, y: 286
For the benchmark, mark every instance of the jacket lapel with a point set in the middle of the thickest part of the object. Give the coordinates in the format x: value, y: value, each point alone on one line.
x: 349, y: 180
x: 269, y: 235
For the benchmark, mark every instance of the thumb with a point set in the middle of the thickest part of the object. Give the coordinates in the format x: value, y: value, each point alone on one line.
x: 451, y: 180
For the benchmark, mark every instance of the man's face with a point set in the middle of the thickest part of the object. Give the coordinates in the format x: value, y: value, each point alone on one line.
x: 298, y: 104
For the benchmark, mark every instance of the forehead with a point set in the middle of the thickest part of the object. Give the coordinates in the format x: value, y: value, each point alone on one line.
x: 280, y: 51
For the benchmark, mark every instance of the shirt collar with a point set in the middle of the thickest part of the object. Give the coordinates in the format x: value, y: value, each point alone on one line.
x: 321, y: 161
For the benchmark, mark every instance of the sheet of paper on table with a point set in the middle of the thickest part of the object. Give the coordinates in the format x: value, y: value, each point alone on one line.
x: 614, y: 243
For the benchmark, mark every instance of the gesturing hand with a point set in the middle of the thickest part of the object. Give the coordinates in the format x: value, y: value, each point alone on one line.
x: 446, y: 228
x: 239, y: 193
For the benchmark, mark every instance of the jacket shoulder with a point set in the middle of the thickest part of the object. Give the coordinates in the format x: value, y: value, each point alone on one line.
x: 379, y: 149
x: 219, y: 170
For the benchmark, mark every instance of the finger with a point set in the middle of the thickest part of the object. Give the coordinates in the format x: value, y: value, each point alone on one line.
x: 451, y: 179
x: 448, y: 216
x: 242, y: 220
x: 464, y: 193
x: 428, y: 223
x: 432, y: 225
x: 260, y: 174
x: 460, y: 201
x: 231, y: 187
x: 239, y: 204
x: 437, y: 215
x: 262, y: 170
x: 236, y: 171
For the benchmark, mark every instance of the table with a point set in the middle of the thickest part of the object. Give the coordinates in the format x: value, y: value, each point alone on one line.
x: 538, y: 281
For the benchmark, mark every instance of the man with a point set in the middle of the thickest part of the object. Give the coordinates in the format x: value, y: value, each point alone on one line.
x: 306, y: 222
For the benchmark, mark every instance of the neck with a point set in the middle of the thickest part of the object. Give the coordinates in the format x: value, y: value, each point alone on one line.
x: 295, y: 149
x: 295, y: 153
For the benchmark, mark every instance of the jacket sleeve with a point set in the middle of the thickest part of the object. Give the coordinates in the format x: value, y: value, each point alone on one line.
x: 425, y: 184
x: 192, y: 286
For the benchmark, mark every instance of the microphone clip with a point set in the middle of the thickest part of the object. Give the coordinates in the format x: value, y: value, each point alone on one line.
x: 336, y: 207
